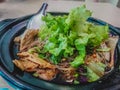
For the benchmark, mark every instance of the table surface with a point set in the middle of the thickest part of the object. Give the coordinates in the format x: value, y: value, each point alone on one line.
x: 104, y: 11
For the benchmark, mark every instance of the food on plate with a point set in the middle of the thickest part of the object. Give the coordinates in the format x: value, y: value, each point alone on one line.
x: 68, y: 48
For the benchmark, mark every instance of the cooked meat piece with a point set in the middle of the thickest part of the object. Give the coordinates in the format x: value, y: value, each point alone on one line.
x: 30, y: 66
x: 66, y: 71
x: 27, y: 39
x: 26, y: 65
x: 17, y: 39
x: 105, y: 54
x: 111, y: 42
x: 19, y: 64
x: 64, y: 64
x: 47, y: 74
x: 37, y: 43
x: 96, y: 57
x: 32, y: 63
x: 67, y: 74
x: 34, y: 58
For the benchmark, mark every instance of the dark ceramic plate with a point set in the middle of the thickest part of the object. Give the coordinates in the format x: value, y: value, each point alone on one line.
x: 11, y: 28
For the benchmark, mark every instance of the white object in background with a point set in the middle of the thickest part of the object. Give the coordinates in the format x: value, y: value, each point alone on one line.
x: 91, y: 0
x: 114, y: 2
x: 36, y: 21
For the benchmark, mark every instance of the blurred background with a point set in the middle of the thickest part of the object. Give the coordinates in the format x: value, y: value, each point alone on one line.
x: 114, y: 2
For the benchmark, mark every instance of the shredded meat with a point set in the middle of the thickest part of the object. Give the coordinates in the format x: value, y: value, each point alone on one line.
x: 46, y: 74
x: 26, y: 65
x: 105, y: 55
x: 31, y: 63
x: 67, y: 74
x: 28, y: 38
x: 112, y: 41
x: 19, y: 64
x: 66, y: 71
x: 34, y: 58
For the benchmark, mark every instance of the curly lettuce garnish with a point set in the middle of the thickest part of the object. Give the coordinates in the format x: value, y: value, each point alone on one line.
x: 71, y: 33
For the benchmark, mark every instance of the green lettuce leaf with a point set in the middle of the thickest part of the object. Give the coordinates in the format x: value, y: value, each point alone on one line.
x: 91, y: 75
x: 69, y: 34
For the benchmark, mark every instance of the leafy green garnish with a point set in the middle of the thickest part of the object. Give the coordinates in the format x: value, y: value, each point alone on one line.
x: 94, y: 73
x: 103, y: 49
x: 76, y: 82
x: 66, y: 35
x: 91, y: 75
x: 35, y: 74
